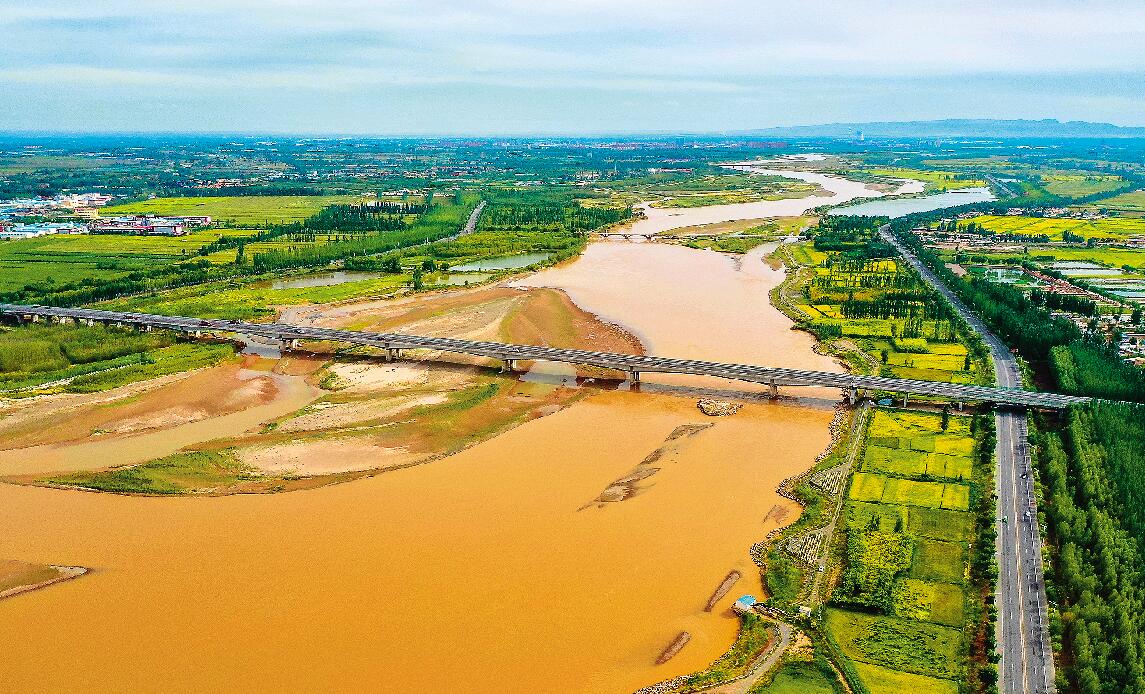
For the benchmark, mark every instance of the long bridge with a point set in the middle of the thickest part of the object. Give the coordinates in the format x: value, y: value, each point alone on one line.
x: 633, y: 365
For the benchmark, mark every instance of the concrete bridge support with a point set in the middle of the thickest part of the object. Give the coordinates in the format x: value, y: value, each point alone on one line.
x: 289, y: 345
x: 509, y: 366
x: 634, y: 376
x: 774, y: 390
x: 905, y: 400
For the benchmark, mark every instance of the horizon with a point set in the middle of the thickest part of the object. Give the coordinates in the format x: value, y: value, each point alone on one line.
x: 509, y: 68
x: 765, y: 131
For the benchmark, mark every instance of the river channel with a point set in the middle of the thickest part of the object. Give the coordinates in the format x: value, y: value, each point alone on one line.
x: 494, y: 570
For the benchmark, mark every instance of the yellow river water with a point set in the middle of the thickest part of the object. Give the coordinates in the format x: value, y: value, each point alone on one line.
x: 482, y: 572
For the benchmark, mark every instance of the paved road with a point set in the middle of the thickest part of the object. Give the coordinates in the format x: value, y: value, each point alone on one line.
x: 1027, y: 661
x: 761, y: 668
x: 471, y: 223
x: 856, y: 441
x: 1006, y: 190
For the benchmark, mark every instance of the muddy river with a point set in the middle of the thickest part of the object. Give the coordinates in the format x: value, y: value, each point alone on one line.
x: 497, y: 569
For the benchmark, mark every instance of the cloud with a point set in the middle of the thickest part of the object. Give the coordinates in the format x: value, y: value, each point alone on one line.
x: 229, y: 51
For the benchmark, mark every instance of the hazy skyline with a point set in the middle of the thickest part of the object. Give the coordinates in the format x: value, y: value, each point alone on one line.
x: 487, y: 67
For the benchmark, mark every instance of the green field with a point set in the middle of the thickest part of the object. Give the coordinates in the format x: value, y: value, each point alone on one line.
x: 935, y: 560
x: 1102, y: 255
x: 939, y: 524
x: 1126, y: 202
x: 843, y: 297
x: 881, y: 680
x: 237, y: 300
x: 926, y: 601
x: 1080, y: 185
x: 798, y: 678
x: 905, y: 645
x: 935, y: 180
x: 1052, y: 228
x: 245, y: 210
x: 73, y: 258
x: 900, y: 603
x: 80, y: 359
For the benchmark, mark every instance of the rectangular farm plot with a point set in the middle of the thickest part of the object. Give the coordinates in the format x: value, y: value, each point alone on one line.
x: 953, y: 444
x: 904, y: 645
x: 894, y: 461
x: 939, y: 524
x: 913, y: 493
x: 935, y: 560
x: 860, y: 514
x: 949, y: 466
x: 867, y: 487
x: 881, y: 680
x: 956, y: 497
x: 926, y: 601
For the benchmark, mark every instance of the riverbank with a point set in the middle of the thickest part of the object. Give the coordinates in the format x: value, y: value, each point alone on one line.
x: 505, y: 527
x: 374, y: 417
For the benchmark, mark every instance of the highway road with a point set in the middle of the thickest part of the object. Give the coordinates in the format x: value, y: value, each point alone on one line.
x: 1023, y: 637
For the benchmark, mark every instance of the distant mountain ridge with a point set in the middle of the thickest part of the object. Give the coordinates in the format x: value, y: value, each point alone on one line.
x: 958, y: 127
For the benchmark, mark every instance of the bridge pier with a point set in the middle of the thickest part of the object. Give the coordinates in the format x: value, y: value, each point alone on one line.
x: 905, y: 400
x: 959, y: 405
x: 774, y: 390
x: 509, y: 366
x: 634, y: 376
x: 853, y: 396
x: 289, y: 345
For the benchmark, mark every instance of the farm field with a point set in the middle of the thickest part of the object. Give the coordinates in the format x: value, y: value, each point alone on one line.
x: 1080, y: 185
x: 798, y: 678
x: 936, y: 181
x: 251, y: 210
x: 1133, y: 201
x: 78, y: 359
x: 74, y: 257
x: 1053, y: 228
x: 899, y: 612
x: 846, y: 303
x: 238, y: 300
x: 1109, y: 257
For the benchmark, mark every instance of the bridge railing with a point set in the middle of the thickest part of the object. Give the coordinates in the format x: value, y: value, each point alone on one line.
x: 631, y: 363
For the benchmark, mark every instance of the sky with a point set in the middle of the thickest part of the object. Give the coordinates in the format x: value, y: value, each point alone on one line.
x: 489, y: 67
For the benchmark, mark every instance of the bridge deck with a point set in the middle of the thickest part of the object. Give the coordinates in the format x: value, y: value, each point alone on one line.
x: 632, y: 364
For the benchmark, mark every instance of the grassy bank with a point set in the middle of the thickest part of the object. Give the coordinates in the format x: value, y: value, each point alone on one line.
x: 39, y: 359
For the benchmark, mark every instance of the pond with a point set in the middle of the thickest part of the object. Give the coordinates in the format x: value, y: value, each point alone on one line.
x: 328, y: 279
x: 1077, y: 268
x: 460, y: 279
x: 508, y: 262
x: 904, y: 206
